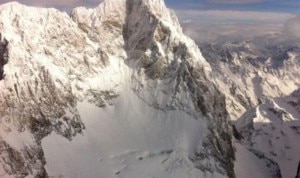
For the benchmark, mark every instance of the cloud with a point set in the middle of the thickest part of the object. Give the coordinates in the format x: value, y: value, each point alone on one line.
x: 214, y: 33
x: 212, y: 25
x: 292, y: 28
x: 233, y: 16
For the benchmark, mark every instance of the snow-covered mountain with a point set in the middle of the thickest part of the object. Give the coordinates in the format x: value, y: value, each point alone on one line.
x: 272, y: 131
x: 250, y: 72
x: 115, y: 91
x: 261, y: 85
x: 120, y: 91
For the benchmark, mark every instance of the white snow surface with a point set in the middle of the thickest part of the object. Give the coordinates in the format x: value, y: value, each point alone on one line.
x: 130, y: 139
x: 248, y: 165
x: 276, y: 132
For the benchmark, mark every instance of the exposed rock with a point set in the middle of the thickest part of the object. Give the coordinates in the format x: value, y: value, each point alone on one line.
x: 3, y: 55
x: 298, y: 171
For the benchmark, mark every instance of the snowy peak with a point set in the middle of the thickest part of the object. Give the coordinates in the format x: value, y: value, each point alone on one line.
x: 16, y: 8
x: 272, y: 129
x: 123, y: 8
x: 137, y: 27
x: 16, y: 18
x: 124, y: 66
x: 157, y: 8
x: 10, y: 5
x: 112, y: 16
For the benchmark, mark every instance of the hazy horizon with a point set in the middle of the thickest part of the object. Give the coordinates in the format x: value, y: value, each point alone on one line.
x: 207, y: 20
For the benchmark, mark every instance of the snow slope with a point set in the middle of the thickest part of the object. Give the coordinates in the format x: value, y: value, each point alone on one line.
x: 130, y: 139
x: 273, y: 129
x: 248, y: 165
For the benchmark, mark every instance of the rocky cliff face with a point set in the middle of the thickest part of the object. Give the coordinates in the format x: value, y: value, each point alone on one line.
x: 131, y: 95
x: 251, y: 73
x: 3, y: 56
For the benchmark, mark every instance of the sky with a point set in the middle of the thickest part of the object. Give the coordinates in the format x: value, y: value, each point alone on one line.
x: 250, y: 5
x: 209, y: 17
x: 204, y: 11
x: 288, y: 6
